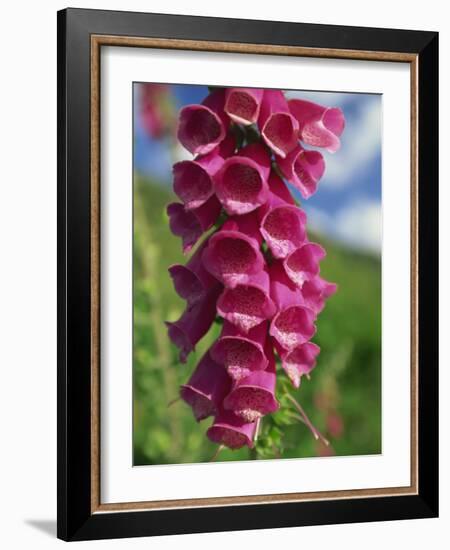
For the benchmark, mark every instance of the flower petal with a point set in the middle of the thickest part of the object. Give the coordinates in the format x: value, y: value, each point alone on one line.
x: 316, y: 291
x: 242, y: 104
x: 254, y: 395
x: 191, y: 224
x: 193, y: 179
x: 303, y: 264
x: 304, y: 110
x: 303, y: 169
x: 283, y: 228
x: 246, y: 306
x: 194, y: 323
x: 279, y: 128
x: 202, y: 127
x: 240, y: 354
x: 319, y: 126
x: 298, y: 362
x: 231, y: 430
x: 241, y: 183
x: 192, y: 183
x: 293, y: 325
x: 233, y: 256
x: 240, y: 187
x: 191, y: 281
x: 206, y: 388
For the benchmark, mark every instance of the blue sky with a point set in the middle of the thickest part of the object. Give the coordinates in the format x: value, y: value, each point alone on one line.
x: 347, y: 205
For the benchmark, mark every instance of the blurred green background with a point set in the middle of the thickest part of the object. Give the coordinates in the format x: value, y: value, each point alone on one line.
x: 343, y: 396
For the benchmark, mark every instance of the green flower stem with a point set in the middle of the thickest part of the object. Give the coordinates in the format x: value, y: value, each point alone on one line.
x: 307, y: 421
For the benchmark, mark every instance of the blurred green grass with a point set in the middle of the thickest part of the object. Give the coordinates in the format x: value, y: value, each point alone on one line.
x: 346, y: 383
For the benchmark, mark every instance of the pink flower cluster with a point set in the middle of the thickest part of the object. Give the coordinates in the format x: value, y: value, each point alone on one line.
x: 156, y: 109
x: 257, y: 271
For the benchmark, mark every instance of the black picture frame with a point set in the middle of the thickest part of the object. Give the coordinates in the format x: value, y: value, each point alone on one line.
x: 76, y: 521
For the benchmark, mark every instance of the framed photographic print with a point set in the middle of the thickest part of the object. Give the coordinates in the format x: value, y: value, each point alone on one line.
x: 247, y: 255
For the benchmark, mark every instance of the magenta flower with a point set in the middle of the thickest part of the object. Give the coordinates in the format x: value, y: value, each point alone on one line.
x: 191, y: 281
x: 335, y: 424
x: 283, y: 224
x: 258, y: 271
x: 233, y: 254
x: 193, y: 179
x: 152, y: 120
x: 316, y: 291
x: 293, y: 325
x: 241, y: 183
x: 242, y: 104
x: 254, y: 395
x: 247, y: 305
x: 191, y: 224
x: 157, y: 109
x: 298, y: 362
x: 319, y: 126
x: 194, y: 323
x: 231, y: 430
x: 278, y: 127
x: 202, y: 127
x: 303, y: 264
x: 303, y: 169
x: 241, y: 353
x: 206, y: 388
x: 279, y: 194
x: 283, y: 228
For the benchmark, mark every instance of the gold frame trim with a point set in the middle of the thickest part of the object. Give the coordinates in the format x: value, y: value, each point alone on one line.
x: 97, y: 41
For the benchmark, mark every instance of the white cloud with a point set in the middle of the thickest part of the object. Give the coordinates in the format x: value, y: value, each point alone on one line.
x: 319, y: 220
x: 358, y: 225
x: 329, y: 99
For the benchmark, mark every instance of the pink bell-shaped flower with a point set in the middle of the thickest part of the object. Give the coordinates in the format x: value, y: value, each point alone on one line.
x: 206, y: 388
x: 157, y: 109
x: 191, y: 224
x: 247, y: 305
x: 293, y: 325
x: 202, y: 127
x: 231, y: 430
x: 303, y: 169
x: 316, y: 291
x: 241, y: 353
x: 278, y: 127
x: 279, y: 195
x: 233, y: 253
x: 193, y: 179
x: 319, y: 126
x: 283, y: 223
x: 241, y: 183
x: 254, y: 396
x: 283, y: 228
x: 191, y: 281
x: 242, y: 104
x: 194, y: 323
x: 257, y: 271
x: 303, y: 264
x: 298, y: 362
